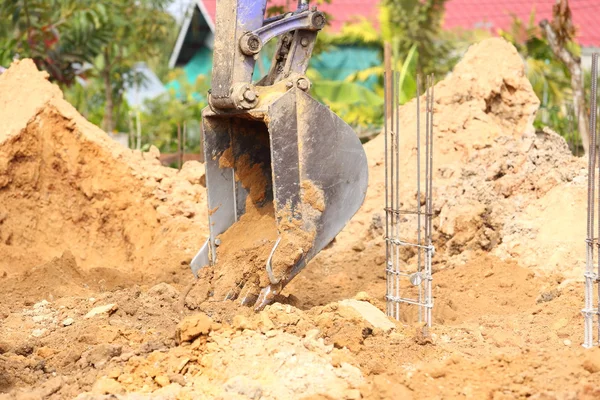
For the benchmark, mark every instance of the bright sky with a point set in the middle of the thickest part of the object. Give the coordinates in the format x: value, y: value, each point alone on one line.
x: 178, y: 8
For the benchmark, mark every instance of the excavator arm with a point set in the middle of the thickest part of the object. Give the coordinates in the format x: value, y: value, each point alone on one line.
x: 311, y: 166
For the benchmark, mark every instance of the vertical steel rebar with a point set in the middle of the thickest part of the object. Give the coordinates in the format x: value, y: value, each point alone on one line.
x: 396, y: 273
x: 431, y: 155
x: 430, y: 208
x: 397, y: 206
x: 388, y: 111
x: 593, y: 133
x: 427, y: 194
x: 419, y: 191
x: 391, y: 173
x: 589, y: 270
x: 386, y: 77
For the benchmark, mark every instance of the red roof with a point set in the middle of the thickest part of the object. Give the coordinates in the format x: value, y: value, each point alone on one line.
x: 486, y: 14
x: 497, y: 14
x: 340, y: 11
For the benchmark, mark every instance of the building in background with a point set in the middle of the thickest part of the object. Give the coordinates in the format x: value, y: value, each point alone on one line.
x: 493, y: 15
x: 193, y: 48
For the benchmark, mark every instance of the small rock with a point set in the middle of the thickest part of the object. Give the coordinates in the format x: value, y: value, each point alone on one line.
x: 100, y: 354
x: 41, y: 304
x: 105, y: 385
x: 162, y: 380
x: 264, y: 323
x: 69, y: 357
x: 45, y: 352
x: 24, y: 350
x: 41, y: 318
x: 370, y: 313
x: 39, y: 332
x: 271, y: 333
x: 149, y: 347
x: 241, y: 322
x: 181, y: 364
x: 389, y: 389
x: 567, y: 342
x: 5, y: 347
x: 114, y: 373
x: 313, y: 334
x: 177, y: 378
x: 550, y: 295
x: 68, y: 321
x: 362, y: 296
x: 105, y: 309
x: 152, y: 154
x: 193, y: 326
x: 163, y: 291
x: 438, y: 372
x: 358, y: 247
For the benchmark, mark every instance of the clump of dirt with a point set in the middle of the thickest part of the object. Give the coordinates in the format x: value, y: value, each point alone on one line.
x: 313, y: 196
x: 242, y: 257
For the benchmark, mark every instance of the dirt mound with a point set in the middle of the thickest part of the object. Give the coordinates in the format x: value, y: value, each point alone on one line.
x: 83, y: 220
x: 494, y: 176
x: 66, y: 186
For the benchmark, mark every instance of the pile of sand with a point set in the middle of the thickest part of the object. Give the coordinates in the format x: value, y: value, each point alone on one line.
x: 66, y: 186
x: 498, y: 185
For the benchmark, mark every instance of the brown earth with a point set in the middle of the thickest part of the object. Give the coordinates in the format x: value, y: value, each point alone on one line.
x: 95, y: 242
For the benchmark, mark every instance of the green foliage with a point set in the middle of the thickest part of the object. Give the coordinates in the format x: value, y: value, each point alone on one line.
x: 361, y: 32
x: 162, y: 115
x: 138, y: 30
x: 418, y: 23
x: 419, y: 46
x: 355, y: 104
x: 57, y: 35
x: 358, y: 106
x: 107, y: 37
x: 88, y: 98
x: 549, y: 77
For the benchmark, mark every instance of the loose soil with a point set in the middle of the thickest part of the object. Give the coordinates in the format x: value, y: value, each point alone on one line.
x: 96, y: 240
x: 240, y: 270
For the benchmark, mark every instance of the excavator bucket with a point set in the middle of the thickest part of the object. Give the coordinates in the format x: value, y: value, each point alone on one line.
x: 272, y: 147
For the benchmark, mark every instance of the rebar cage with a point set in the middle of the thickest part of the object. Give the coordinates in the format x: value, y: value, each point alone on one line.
x: 408, y: 229
x: 590, y: 313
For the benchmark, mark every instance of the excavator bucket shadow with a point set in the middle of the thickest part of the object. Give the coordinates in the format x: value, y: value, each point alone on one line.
x: 295, y: 154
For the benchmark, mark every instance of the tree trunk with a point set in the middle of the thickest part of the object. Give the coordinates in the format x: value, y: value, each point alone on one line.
x: 107, y: 120
x: 573, y: 64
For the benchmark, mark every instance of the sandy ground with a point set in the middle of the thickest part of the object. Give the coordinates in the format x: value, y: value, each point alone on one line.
x: 96, y: 240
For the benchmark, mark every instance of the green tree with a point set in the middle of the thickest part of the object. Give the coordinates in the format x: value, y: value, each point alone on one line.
x: 161, y: 116
x: 106, y: 38
x: 136, y: 31
x: 59, y: 35
x: 560, y: 35
x: 419, y: 23
x: 549, y: 77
